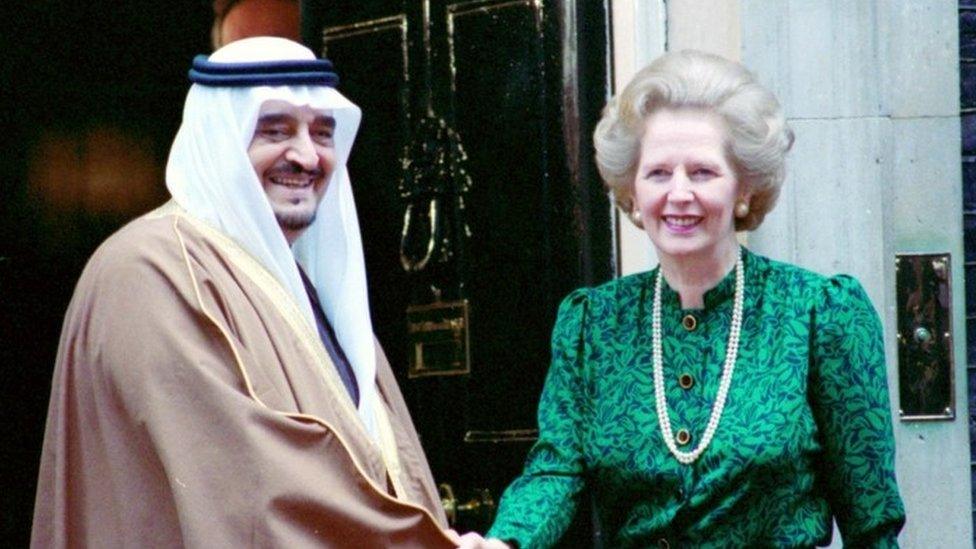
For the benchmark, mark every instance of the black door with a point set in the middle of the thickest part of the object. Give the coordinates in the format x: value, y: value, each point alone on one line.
x: 520, y: 84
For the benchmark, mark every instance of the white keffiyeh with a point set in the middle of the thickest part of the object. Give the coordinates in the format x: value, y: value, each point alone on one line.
x: 210, y: 175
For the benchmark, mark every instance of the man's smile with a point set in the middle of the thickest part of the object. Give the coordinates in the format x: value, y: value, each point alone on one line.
x: 293, y: 180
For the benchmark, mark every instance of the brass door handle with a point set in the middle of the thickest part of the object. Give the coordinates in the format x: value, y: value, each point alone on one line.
x: 449, y: 502
x: 480, y: 503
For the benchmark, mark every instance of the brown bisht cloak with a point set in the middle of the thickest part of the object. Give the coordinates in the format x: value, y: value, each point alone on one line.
x: 193, y: 405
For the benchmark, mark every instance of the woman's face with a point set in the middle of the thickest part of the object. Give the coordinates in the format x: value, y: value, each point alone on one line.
x: 685, y: 188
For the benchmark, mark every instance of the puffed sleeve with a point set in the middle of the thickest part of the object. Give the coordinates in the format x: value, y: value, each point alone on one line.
x: 537, y: 507
x: 849, y: 396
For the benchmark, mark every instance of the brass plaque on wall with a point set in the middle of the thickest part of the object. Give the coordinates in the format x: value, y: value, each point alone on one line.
x: 925, y: 365
x: 438, y: 335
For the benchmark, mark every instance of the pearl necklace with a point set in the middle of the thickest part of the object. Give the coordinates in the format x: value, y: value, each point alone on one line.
x: 731, y: 352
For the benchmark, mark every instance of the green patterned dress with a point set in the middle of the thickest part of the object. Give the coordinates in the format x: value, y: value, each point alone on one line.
x: 805, y: 436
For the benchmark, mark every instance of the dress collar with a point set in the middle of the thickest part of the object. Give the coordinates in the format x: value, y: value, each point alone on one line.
x: 755, y: 267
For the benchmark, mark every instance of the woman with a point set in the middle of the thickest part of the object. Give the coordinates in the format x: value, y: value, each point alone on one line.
x: 722, y: 399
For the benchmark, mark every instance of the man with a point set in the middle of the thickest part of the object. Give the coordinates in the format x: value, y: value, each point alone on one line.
x: 218, y: 383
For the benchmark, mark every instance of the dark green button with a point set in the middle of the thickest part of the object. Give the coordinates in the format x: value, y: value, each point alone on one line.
x: 682, y: 437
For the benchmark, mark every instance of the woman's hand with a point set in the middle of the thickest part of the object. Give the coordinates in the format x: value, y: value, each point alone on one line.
x: 472, y: 540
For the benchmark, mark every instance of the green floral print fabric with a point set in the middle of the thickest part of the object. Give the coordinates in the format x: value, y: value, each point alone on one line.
x: 805, y: 436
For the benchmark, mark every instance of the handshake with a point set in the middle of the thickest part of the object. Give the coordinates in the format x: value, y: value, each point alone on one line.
x: 473, y: 540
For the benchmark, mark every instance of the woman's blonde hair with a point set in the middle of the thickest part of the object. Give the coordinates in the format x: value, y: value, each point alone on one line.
x: 758, y: 136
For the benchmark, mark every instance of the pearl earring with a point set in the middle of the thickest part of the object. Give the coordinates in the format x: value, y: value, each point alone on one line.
x: 635, y: 216
x: 741, y: 209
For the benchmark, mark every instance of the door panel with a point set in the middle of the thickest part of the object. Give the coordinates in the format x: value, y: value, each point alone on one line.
x: 499, y: 102
x: 521, y: 82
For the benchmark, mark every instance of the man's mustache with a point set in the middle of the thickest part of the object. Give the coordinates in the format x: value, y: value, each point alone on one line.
x: 293, y: 168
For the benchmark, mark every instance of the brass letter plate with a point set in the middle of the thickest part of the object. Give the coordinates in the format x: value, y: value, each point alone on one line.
x: 438, y: 335
x: 925, y: 368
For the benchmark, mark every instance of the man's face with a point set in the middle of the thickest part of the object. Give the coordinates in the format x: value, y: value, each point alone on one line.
x: 293, y: 154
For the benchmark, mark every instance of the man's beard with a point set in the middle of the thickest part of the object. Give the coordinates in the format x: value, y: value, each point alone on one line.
x: 289, y: 220
x: 295, y: 221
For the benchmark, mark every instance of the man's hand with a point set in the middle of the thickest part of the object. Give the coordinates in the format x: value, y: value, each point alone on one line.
x: 472, y: 540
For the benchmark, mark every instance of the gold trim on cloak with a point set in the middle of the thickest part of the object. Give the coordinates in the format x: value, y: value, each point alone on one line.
x: 292, y: 315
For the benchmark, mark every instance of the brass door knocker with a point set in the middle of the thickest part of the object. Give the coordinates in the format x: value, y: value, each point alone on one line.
x: 433, y: 172
x: 432, y: 244
x: 411, y: 263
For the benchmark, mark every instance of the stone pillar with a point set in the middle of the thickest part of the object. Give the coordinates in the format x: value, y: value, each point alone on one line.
x: 872, y: 91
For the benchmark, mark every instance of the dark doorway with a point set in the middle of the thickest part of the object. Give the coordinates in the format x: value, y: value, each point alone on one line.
x: 92, y: 96
x: 520, y: 83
